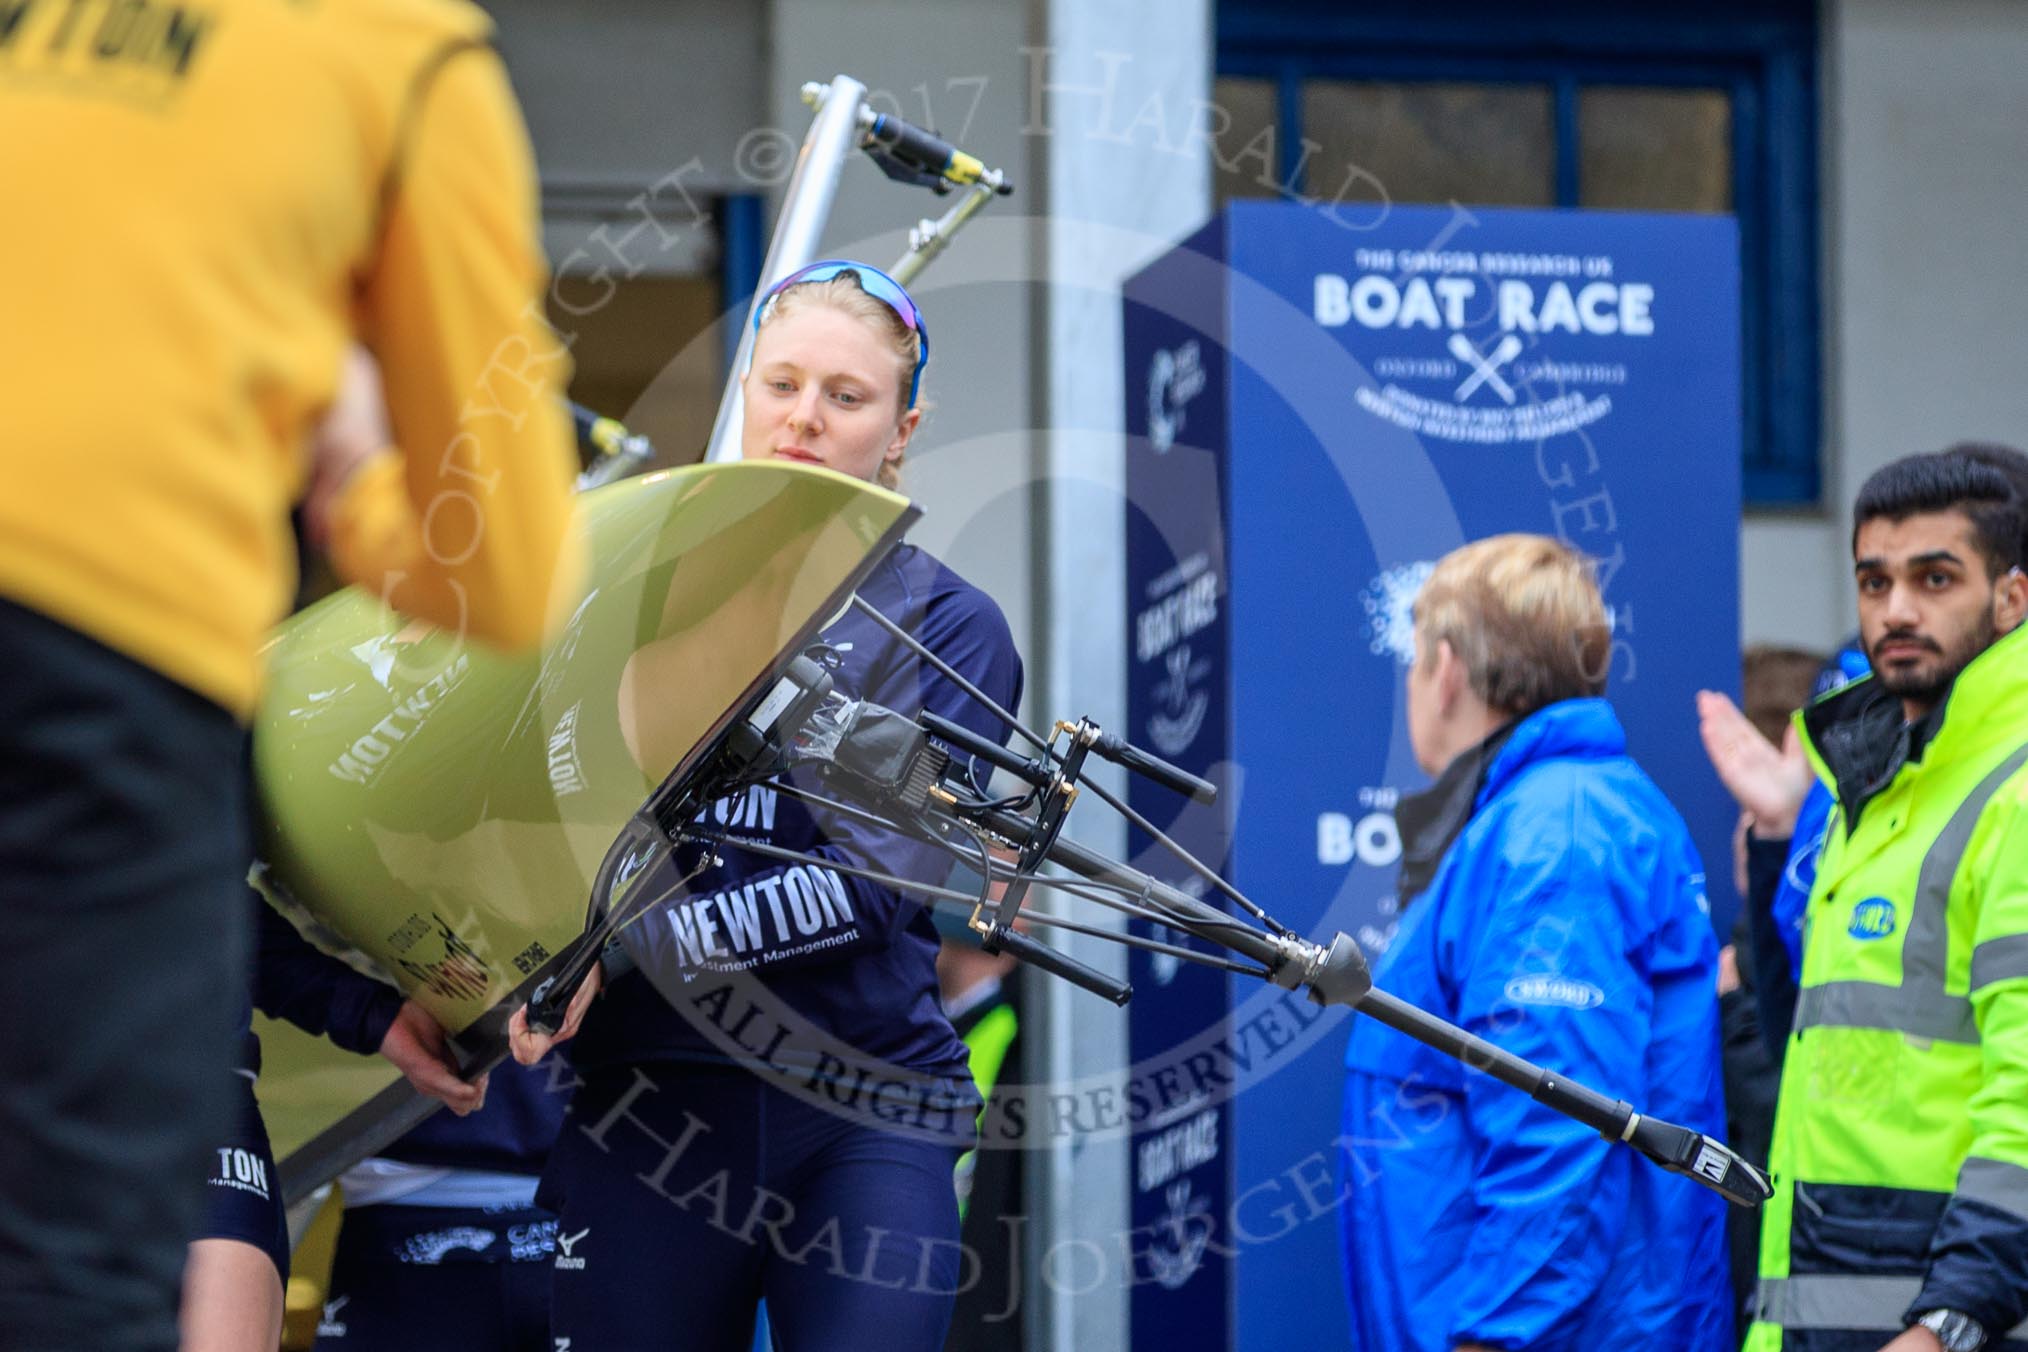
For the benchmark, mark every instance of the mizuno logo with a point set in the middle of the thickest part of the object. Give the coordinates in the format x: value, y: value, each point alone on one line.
x: 566, y: 1261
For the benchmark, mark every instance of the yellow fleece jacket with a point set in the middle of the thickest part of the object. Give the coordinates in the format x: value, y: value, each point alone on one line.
x: 206, y: 202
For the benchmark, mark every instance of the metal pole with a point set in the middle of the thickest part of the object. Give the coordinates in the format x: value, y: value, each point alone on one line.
x: 930, y: 238
x: 805, y: 208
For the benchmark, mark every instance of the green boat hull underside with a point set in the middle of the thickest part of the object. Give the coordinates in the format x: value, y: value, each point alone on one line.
x: 436, y: 813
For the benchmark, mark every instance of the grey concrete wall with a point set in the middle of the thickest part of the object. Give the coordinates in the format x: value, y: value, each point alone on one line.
x: 625, y: 91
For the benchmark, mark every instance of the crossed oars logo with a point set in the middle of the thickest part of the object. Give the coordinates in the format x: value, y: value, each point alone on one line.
x: 1485, y: 370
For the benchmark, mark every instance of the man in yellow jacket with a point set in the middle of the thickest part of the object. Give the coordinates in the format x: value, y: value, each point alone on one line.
x: 1900, y: 1158
x: 209, y: 203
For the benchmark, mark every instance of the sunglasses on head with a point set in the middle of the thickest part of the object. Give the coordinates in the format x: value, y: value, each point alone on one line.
x: 874, y: 283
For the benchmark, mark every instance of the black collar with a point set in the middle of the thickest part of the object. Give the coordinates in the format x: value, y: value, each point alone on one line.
x: 1429, y: 821
x: 1863, y: 740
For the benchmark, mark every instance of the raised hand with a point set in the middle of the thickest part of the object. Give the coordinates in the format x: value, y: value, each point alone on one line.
x: 1768, y: 782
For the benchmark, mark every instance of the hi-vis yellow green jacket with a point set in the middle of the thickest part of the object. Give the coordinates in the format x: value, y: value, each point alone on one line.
x: 1900, y: 1154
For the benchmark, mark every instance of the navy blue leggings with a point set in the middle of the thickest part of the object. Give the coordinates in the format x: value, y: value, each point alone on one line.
x: 685, y: 1196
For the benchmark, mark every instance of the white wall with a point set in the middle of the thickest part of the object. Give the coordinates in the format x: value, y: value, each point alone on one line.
x: 1925, y: 174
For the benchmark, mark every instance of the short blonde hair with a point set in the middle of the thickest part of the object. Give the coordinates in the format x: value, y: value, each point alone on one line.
x: 844, y: 294
x: 1524, y: 615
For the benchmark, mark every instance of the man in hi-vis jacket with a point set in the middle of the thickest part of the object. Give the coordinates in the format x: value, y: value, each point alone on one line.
x: 1900, y: 1160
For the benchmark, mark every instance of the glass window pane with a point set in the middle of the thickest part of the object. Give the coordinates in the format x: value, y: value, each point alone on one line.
x: 1654, y: 149
x: 1482, y: 144
x: 1247, y: 158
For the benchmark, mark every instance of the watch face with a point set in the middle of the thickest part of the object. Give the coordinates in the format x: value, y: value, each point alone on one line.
x: 1956, y: 1330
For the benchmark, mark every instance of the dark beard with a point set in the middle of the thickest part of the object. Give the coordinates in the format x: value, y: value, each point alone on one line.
x: 1928, y: 687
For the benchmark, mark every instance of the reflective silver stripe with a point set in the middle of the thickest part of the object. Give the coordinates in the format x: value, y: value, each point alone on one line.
x: 1867, y: 1004
x: 1927, y: 950
x: 1999, y: 959
x: 1833, y: 1302
x: 1996, y: 1183
x: 1920, y: 1005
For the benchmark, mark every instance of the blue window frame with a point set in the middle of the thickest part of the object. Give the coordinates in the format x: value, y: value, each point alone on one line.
x: 1761, y: 52
x: 743, y: 248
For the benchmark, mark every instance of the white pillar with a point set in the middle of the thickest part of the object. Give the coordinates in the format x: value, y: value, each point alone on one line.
x: 1114, y: 90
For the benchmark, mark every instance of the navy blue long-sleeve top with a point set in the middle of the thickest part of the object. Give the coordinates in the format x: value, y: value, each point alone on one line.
x: 850, y: 959
x: 512, y: 1134
x: 292, y: 980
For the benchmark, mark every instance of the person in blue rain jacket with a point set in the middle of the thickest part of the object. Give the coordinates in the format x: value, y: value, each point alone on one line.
x: 1554, y: 905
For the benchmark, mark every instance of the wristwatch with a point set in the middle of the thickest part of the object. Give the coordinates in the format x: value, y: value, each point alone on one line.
x: 1956, y: 1330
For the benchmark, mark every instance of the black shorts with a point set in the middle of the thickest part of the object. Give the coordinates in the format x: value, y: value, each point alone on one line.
x: 243, y: 1189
